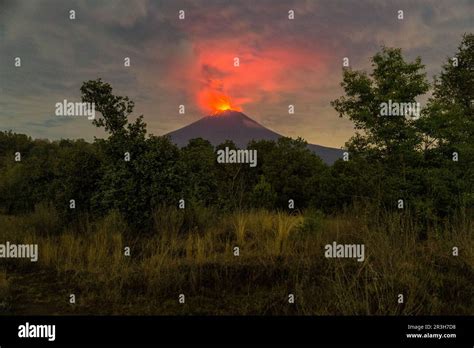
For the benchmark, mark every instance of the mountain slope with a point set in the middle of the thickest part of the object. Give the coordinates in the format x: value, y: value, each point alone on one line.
x: 241, y: 129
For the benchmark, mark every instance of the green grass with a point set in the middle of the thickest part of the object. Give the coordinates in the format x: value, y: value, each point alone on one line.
x: 280, y: 253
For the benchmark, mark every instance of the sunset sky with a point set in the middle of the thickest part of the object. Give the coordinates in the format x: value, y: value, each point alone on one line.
x: 189, y: 61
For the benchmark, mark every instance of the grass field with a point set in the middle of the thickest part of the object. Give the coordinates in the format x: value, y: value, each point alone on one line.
x: 279, y: 254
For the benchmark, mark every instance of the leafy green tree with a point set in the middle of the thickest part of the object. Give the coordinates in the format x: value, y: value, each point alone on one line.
x: 122, y: 186
x: 392, y: 79
x: 232, y: 185
x: 449, y: 120
x: 115, y: 110
x: 263, y: 195
x: 199, y: 162
x: 392, y: 141
x: 448, y: 128
x: 403, y: 158
x: 291, y: 169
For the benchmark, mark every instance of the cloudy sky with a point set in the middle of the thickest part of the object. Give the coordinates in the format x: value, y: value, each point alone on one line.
x: 186, y: 61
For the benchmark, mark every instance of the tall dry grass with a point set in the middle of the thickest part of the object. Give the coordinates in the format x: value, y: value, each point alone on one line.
x: 280, y: 253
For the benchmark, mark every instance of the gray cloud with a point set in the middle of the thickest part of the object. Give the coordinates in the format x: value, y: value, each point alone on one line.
x: 59, y: 54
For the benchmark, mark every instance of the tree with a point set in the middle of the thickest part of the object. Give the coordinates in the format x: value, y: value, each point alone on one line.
x: 263, y: 195
x: 449, y: 116
x: 199, y: 161
x: 115, y: 110
x: 392, y: 79
x: 448, y: 127
x: 122, y: 186
x: 291, y: 170
x: 410, y: 159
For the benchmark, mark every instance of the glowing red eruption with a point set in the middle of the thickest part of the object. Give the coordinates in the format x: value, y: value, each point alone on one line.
x: 217, y: 102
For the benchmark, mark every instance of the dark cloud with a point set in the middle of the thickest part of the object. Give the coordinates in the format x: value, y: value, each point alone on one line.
x: 295, y: 61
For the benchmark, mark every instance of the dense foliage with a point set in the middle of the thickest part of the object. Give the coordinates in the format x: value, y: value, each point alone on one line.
x: 390, y: 158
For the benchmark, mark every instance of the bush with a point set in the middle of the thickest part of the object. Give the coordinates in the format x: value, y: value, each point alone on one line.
x: 45, y: 219
x: 312, y: 221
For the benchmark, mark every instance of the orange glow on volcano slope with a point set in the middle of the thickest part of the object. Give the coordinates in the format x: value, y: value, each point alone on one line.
x: 218, y: 102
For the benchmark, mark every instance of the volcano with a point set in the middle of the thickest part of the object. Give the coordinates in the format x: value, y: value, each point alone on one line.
x: 241, y: 129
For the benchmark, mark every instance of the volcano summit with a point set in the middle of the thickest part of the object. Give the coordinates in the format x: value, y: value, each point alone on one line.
x: 241, y: 129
